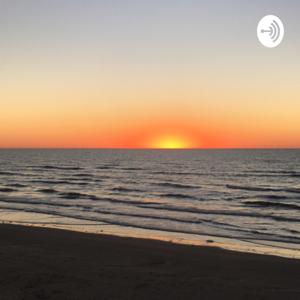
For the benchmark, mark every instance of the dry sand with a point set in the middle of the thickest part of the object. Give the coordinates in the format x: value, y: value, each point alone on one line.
x: 41, y: 263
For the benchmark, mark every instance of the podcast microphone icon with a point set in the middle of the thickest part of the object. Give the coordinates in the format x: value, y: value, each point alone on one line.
x: 270, y: 31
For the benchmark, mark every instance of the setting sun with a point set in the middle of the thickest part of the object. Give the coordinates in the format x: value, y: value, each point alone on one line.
x: 171, y: 142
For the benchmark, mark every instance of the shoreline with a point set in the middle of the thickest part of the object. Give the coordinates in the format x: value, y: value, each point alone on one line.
x: 58, y: 264
x: 259, y: 247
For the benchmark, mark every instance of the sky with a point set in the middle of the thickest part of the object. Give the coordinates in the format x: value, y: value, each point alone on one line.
x: 144, y: 74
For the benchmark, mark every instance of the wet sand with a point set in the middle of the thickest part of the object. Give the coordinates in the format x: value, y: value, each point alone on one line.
x: 41, y: 263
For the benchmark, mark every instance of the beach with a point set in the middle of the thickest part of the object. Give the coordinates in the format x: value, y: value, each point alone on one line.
x: 44, y: 263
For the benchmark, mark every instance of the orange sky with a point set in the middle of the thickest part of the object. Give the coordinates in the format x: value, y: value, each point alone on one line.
x: 56, y: 112
x: 132, y: 76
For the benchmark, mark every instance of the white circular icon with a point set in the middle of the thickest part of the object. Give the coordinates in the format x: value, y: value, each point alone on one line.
x: 270, y: 31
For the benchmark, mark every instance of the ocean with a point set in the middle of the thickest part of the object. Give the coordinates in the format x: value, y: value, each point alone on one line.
x: 246, y: 200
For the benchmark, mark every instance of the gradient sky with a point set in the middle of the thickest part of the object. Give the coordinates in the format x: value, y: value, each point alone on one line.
x: 124, y: 73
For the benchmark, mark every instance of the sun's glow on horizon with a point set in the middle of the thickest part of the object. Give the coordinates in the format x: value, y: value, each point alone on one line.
x: 170, y: 142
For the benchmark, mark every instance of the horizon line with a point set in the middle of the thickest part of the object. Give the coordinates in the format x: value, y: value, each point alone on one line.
x: 139, y: 148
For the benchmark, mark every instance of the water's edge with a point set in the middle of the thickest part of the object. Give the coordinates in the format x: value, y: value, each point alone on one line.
x: 90, y: 227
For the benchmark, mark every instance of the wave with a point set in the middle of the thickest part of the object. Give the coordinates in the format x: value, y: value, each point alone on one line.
x: 292, y: 231
x: 251, y: 188
x: 231, y: 174
x: 106, y: 212
x: 272, y: 171
x: 176, y: 173
x: 49, y: 167
x: 272, y: 204
x: 196, y: 210
x: 72, y: 195
x: 263, y: 189
x: 55, y: 182
x: 130, y: 223
x: 175, y: 185
x: 47, y: 191
x: 7, y: 190
x: 35, y: 202
x: 117, y: 213
x: 9, y: 173
x: 124, y: 189
x: 293, y: 190
x: 273, y: 197
x: 163, y: 207
x: 158, y: 205
x: 233, y: 198
x: 77, y: 179
x: 16, y: 185
x: 178, y: 196
x: 81, y: 180
x: 262, y: 175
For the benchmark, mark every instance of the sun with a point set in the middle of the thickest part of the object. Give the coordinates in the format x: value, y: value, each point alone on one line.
x: 170, y: 142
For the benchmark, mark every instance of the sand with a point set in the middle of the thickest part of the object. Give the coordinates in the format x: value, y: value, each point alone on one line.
x: 41, y: 263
